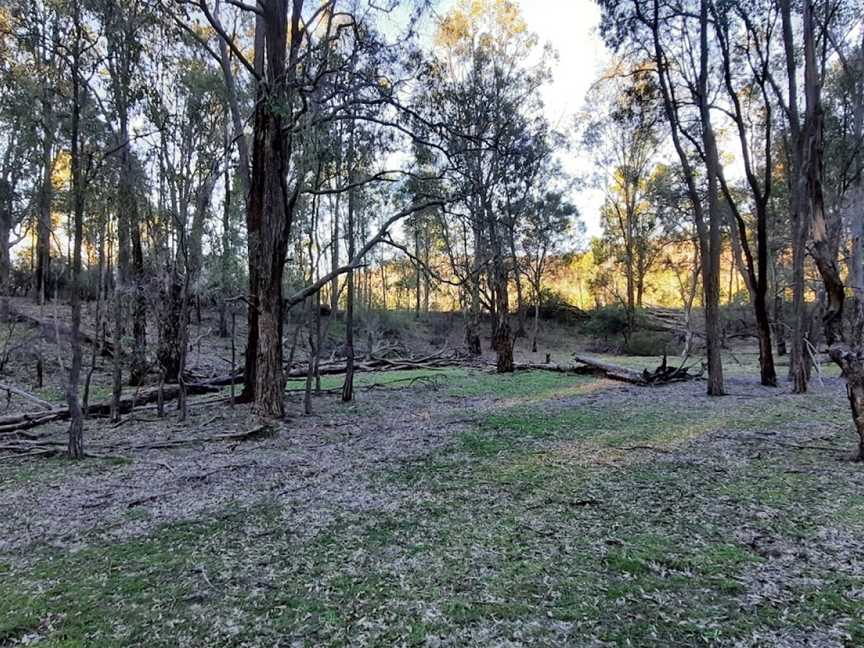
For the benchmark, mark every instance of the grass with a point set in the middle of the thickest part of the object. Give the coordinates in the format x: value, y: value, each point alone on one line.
x: 392, y: 379
x: 54, y: 469
x: 466, y: 383
x: 535, y: 527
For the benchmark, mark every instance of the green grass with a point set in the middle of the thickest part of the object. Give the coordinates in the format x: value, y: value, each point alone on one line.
x: 530, y: 386
x: 619, y: 424
x: 457, y: 382
x: 515, y: 533
x: 391, y: 379
x: 53, y: 469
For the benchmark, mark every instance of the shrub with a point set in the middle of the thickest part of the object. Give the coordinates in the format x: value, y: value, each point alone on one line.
x: 555, y: 307
x: 650, y: 343
x: 607, y: 321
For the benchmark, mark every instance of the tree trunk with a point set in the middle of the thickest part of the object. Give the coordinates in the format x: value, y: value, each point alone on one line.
x: 76, y: 416
x: 710, y: 243
x: 768, y: 373
x: 254, y: 210
x: 472, y: 323
x: 502, y: 341
x: 348, y: 384
x: 710, y: 255
x: 227, y: 252
x: 41, y: 276
x: 536, y: 330
x: 5, y: 252
x: 170, y: 328
x: 799, y: 366
x: 138, y: 369
x: 271, y: 205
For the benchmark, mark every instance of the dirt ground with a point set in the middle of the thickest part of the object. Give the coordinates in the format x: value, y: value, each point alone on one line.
x: 449, y: 507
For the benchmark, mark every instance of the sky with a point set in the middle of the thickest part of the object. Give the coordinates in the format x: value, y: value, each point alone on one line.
x: 571, y: 28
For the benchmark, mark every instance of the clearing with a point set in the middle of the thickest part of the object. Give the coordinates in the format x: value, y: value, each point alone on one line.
x: 451, y: 508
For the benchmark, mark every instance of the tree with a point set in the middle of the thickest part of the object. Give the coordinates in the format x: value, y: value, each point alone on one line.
x: 76, y: 417
x: 488, y: 120
x: 847, y: 354
x: 645, y: 30
x: 295, y: 57
x: 625, y: 141
x: 545, y: 229
x: 753, y: 87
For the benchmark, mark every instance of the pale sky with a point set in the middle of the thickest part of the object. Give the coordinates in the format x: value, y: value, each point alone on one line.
x: 571, y: 27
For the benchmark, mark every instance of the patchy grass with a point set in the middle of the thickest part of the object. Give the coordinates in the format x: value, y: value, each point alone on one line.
x: 389, y: 379
x: 54, y: 469
x: 522, y: 386
x: 619, y: 423
x: 565, y: 516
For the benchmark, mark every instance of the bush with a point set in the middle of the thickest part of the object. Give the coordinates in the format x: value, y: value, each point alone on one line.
x: 650, y: 343
x: 607, y: 321
x: 554, y: 307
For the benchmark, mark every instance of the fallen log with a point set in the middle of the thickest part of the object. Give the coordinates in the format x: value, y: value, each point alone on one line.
x: 593, y: 367
x: 256, y: 433
x: 17, y: 422
x: 50, y: 328
x: 374, y: 363
x: 613, y: 372
x: 27, y: 396
x: 40, y: 448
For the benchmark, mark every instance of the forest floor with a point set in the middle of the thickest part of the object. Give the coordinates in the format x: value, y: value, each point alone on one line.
x: 451, y: 508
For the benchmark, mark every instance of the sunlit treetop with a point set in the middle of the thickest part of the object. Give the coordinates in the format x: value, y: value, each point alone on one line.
x: 483, y: 24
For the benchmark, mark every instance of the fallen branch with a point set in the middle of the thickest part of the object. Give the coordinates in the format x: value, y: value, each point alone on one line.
x: 259, y: 432
x: 51, y: 328
x: 591, y: 366
x: 374, y: 363
x: 28, y: 449
x: 27, y: 396
x: 17, y: 422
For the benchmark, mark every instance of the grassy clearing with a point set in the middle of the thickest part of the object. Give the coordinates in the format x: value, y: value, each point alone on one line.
x: 457, y: 382
x: 542, y: 525
x: 391, y: 379
x: 620, y: 423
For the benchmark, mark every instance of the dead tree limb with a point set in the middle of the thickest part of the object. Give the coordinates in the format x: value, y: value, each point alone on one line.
x: 53, y: 328
x: 26, y: 420
x: 663, y: 374
x: 27, y: 396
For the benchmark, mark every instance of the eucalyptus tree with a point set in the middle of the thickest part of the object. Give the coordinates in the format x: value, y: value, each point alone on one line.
x: 127, y: 26
x: 78, y: 45
x: 293, y: 59
x: 483, y: 94
x: 34, y: 68
x: 742, y: 32
x: 19, y: 142
x: 83, y: 132
x: 675, y: 40
x: 549, y: 223
x: 843, y: 104
x: 187, y: 103
x: 625, y: 137
x: 847, y: 351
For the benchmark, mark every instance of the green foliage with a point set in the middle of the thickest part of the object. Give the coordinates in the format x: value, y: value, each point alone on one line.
x: 607, y: 321
x: 650, y: 343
